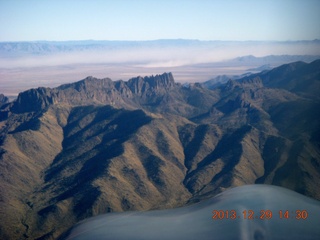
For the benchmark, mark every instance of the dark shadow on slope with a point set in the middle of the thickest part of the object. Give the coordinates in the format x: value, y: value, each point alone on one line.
x: 31, y: 124
x: 226, y: 146
x: 192, y: 148
x: 113, y: 125
x: 93, y: 164
x: 153, y: 165
x: 229, y: 149
x: 97, y: 161
x: 296, y: 117
x: 99, y: 115
x: 82, y: 208
x: 166, y: 151
x: 288, y: 174
x: 271, y: 155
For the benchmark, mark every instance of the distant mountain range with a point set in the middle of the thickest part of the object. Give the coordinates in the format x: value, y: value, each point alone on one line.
x: 247, y: 48
x: 97, y: 146
x: 36, y: 47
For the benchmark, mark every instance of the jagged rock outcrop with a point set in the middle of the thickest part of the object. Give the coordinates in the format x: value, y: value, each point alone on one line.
x: 95, y: 91
x: 156, y: 93
x: 33, y: 100
x: 3, y: 99
x: 3, y: 113
x: 154, y: 84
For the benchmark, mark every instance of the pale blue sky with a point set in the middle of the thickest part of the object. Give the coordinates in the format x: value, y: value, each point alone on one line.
x: 58, y: 20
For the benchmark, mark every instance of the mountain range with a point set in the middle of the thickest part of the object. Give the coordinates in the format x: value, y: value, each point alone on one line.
x: 97, y: 146
x: 49, y: 47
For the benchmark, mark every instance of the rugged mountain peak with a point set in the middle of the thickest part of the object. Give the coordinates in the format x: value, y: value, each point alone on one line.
x: 164, y: 80
x: 297, y: 77
x: 33, y: 100
x: 94, y: 91
x: 140, y: 85
x: 290, y: 67
x: 87, y: 91
x: 88, y: 84
x: 3, y: 99
x: 230, y: 85
x: 252, y: 82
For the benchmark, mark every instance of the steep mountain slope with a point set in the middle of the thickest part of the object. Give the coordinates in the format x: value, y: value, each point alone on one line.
x: 298, y: 77
x: 282, y: 106
x: 29, y: 143
x: 98, y: 146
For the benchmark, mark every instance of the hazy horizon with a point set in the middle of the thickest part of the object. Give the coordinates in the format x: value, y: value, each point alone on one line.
x: 26, y: 65
x: 152, y: 40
